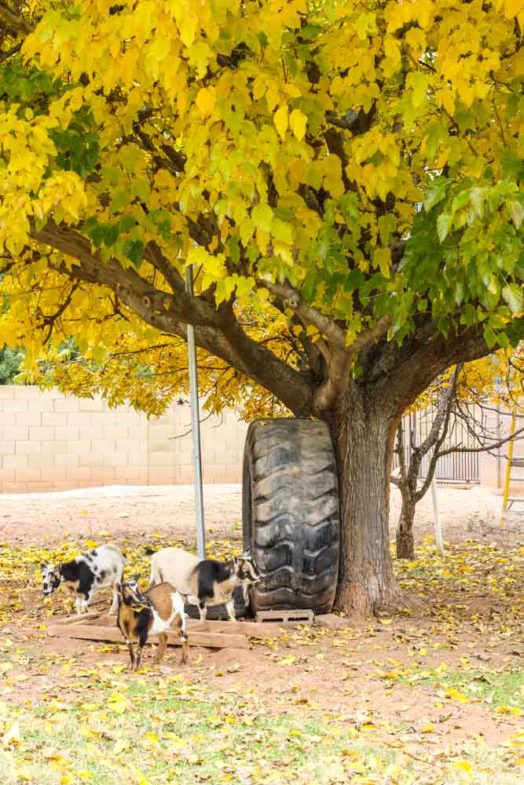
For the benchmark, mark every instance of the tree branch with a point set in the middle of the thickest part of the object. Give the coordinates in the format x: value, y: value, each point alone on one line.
x: 216, y: 330
x: 13, y: 20
x: 483, y: 448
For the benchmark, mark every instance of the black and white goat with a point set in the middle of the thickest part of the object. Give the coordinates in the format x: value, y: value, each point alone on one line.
x: 85, y: 574
x: 153, y: 612
x: 204, y: 582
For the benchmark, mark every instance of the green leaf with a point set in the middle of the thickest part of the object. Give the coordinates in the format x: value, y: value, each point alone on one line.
x: 282, y: 231
x: 512, y: 294
x: 386, y: 226
x: 126, y: 223
x: 516, y: 210
x: 134, y: 250
x: 436, y: 193
x: 443, y: 226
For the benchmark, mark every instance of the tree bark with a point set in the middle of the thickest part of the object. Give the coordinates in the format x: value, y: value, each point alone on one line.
x: 363, y: 429
x: 405, y: 539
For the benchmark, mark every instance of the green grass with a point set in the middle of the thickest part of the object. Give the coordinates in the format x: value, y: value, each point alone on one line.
x: 500, y: 690
x: 116, y: 729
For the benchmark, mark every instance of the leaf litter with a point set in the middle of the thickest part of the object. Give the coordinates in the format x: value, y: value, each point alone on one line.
x: 433, y: 695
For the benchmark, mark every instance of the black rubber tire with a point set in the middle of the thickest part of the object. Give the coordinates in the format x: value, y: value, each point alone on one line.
x: 290, y: 514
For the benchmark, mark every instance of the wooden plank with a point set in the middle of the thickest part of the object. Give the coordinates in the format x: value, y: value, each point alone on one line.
x: 252, y: 629
x: 96, y: 632
x: 287, y: 616
x: 83, y: 617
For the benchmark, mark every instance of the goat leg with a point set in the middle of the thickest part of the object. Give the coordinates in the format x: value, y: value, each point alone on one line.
x: 162, y: 646
x: 230, y: 608
x: 114, y: 603
x: 184, y: 656
x: 131, y: 655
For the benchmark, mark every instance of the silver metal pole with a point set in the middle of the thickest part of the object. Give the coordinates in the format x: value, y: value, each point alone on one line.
x: 195, y: 427
x: 436, y: 518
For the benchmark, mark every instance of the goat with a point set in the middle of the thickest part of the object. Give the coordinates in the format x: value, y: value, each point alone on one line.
x: 206, y: 582
x: 85, y: 574
x: 140, y: 615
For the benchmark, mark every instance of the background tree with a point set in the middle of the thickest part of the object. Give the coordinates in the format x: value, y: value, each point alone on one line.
x: 345, y: 180
x: 10, y: 361
x: 467, y: 396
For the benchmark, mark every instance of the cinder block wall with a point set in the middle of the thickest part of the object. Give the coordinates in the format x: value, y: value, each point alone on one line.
x: 50, y: 441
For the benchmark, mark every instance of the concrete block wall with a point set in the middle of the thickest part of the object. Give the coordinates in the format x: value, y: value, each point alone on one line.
x: 50, y: 441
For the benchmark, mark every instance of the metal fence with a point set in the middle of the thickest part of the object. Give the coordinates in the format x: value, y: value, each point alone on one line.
x: 455, y: 467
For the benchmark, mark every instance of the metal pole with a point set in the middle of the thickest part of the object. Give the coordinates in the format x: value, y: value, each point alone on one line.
x: 436, y: 517
x: 195, y: 427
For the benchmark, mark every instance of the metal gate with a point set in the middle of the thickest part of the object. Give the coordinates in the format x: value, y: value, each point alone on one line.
x: 455, y: 467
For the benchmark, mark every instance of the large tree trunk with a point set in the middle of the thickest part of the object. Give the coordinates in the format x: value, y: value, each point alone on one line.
x: 363, y: 431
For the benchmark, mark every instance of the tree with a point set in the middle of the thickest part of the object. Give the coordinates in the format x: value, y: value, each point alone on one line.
x: 345, y: 180
x: 10, y: 361
x: 465, y: 397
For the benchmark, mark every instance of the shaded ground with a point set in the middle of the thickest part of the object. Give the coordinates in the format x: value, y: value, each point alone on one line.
x: 435, y: 696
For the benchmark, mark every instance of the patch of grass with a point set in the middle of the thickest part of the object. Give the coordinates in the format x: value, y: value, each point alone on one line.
x: 501, y: 690
x: 145, y: 730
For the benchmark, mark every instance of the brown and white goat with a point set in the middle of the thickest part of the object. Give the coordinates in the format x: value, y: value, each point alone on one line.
x: 153, y: 612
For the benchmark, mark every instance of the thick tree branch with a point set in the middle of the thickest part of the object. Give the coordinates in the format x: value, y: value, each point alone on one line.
x: 216, y: 331
x: 291, y: 298
x: 403, y: 373
x: 154, y: 255
x: 337, y: 355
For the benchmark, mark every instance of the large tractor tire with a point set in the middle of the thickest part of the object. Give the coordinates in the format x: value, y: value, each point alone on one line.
x: 291, y: 514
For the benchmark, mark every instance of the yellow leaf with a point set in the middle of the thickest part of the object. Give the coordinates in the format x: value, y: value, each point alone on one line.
x: 290, y: 660
x: 206, y: 100
x: 12, y: 737
x: 382, y: 259
x: 281, y: 120
x: 456, y: 695
x: 463, y: 765
x: 297, y: 123
x: 262, y: 215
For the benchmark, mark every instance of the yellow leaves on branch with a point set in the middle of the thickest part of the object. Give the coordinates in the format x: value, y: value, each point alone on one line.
x: 262, y: 120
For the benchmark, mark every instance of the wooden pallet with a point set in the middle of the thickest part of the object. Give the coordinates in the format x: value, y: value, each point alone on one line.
x: 210, y: 634
x: 286, y: 617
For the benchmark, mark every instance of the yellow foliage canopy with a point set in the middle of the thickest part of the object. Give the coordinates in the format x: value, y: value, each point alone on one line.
x: 338, y: 175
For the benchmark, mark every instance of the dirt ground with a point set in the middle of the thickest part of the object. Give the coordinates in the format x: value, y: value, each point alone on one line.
x: 169, y: 510
x: 377, y: 670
